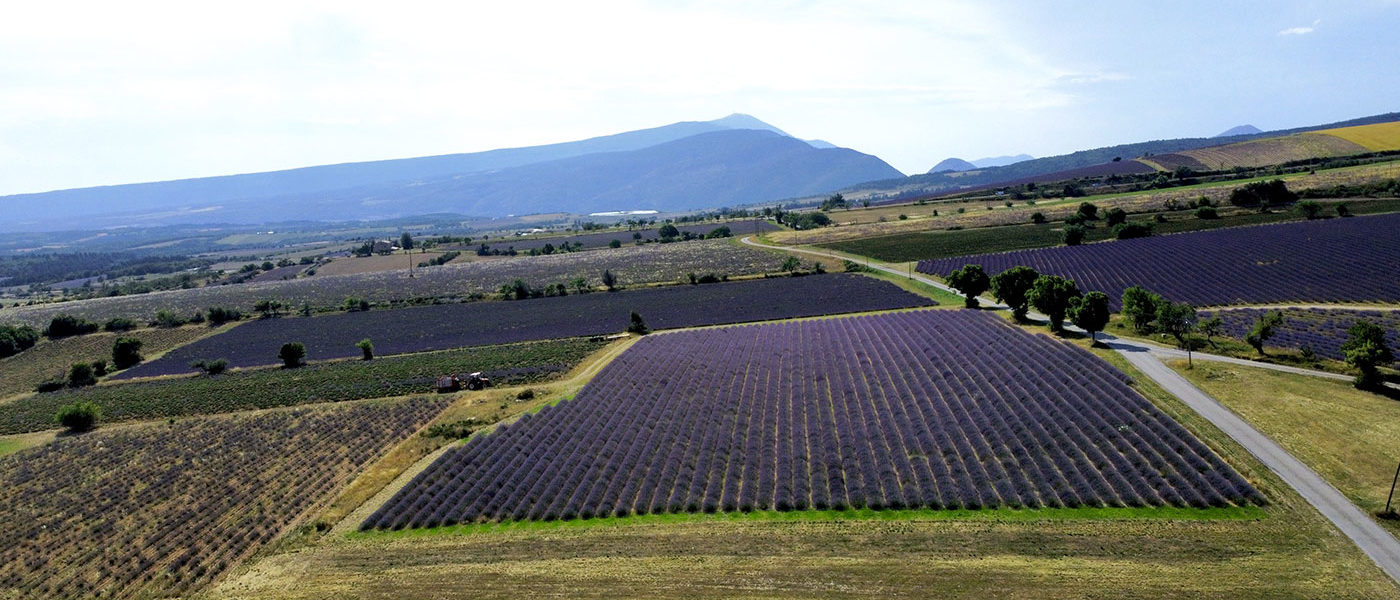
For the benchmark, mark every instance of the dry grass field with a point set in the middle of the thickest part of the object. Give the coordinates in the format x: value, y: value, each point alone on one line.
x: 1350, y: 437
x: 50, y: 358
x: 356, y: 265
x: 1273, y: 151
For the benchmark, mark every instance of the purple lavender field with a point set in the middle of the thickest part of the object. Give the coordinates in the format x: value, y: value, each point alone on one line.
x: 1324, y: 330
x: 931, y: 409
x: 1332, y: 260
x: 444, y: 326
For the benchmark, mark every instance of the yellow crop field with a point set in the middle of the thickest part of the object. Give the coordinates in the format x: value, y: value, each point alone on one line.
x: 1272, y: 151
x: 1376, y: 138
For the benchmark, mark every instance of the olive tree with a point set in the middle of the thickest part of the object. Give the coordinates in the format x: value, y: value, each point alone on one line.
x: 1051, y: 294
x: 972, y: 281
x: 1011, y: 287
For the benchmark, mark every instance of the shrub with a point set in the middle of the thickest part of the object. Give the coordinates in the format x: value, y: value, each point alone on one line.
x: 218, y: 315
x: 1140, y: 308
x: 1262, y: 194
x: 1343, y: 210
x: 16, y: 338
x: 1207, y: 213
x: 354, y: 304
x: 525, y: 394
x: 366, y: 349
x: 1116, y: 216
x: 1073, y: 235
x: 167, y: 319
x: 119, y: 324
x: 79, y: 417
x: 1263, y: 330
x: 126, y: 352
x: 1366, y: 349
x: 81, y: 375
x: 1310, y: 209
x: 66, y: 325
x: 637, y: 325
x: 292, y: 354
x: 210, y: 367
x: 1128, y: 231
x: 1038, y: 218
x: 99, y: 368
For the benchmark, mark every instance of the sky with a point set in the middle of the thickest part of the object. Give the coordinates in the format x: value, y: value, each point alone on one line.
x: 122, y: 92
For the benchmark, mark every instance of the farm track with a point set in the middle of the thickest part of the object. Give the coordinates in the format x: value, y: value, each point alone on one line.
x: 1378, y: 544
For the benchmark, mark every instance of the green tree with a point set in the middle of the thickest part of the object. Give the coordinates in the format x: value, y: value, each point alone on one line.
x: 65, y: 325
x: 1087, y: 211
x: 1366, y: 349
x: 218, y: 315
x: 293, y: 355
x: 972, y: 281
x: 126, y: 352
x: 406, y: 241
x: 268, y: 308
x: 834, y: 202
x: 80, y: 375
x: 791, y: 264
x: 1207, y: 213
x: 1128, y: 231
x: 1051, y: 295
x: 615, y: 244
x: 668, y: 232
x: 1263, y: 330
x: 609, y: 280
x: 580, y: 285
x: 366, y: 348
x: 1012, y: 287
x: 1310, y: 209
x: 1116, y: 216
x: 1177, y: 320
x: 16, y: 338
x: 1210, y: 328
x: 354, y: 304
x: 79, y: 417
x: 1262, y: 194
x: 210, y: 367
x: 1140, y: 308
x: 1038, y: 218
x: 1090, y: 312
x: 1073, y: 235
x: 637, y: 325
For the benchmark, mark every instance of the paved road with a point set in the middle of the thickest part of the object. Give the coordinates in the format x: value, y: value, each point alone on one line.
x: 1376, y: 542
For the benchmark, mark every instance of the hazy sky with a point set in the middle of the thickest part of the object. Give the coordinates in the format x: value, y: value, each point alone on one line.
x: 118, y: 92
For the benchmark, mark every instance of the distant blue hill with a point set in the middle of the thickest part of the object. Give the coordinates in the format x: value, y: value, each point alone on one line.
x: 478, y: 182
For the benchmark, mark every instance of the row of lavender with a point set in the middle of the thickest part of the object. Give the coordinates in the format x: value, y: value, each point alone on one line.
x: 162, y: 511
x: 440, y: 327
x: 1333, y: 260
x: 592, y: 241
x: 1322, y: 330
x: 934, y: 409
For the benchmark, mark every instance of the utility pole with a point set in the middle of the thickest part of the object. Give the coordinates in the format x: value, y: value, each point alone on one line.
x: 1393, y: 480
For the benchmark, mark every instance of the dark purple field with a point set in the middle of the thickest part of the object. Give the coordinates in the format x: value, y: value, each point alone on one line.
x: 1321, y: 329
x: 1331, y: 260
x: 446, y: 326
x: 920, y: 409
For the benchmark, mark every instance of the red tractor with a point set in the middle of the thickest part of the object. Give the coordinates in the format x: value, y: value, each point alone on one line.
x: 473, y: 381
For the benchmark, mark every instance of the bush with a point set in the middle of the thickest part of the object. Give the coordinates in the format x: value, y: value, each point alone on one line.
x: 525, y: 394
x: 366, y: 348
x: 167, y: 319
x: 79, y: 417
x: 1128, y: 231
x: 1366, y: 349
x: 218, y: 315
x: 1262, y: 194
x: 119, y: 324
x: 1207, y: 213
x: 1038, y: 218
x: 66, y: 325
x: 1073, y: 235
x: 1310, y: 209
x: 354, y: 304
x: 637, y: 325
x: 292, y: 354
x: 210, y: 367
x: 1116, y: 216
x: 81, y: 375
x: 15, y: 339
x: 99, y: 368
x: 126, y: 352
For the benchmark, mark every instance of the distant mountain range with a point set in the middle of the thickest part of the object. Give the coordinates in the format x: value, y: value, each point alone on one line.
x: 1083, y: 162
x: 958, y: 164
x: 1239, y: 130
x: 688, y: 165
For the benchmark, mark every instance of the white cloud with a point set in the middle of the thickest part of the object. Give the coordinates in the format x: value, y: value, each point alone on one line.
x: 1296, y: 31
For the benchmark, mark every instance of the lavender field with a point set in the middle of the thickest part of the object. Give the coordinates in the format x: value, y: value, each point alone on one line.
x: 445, y: 326
x: 1332, y: 260
x: 1323, y: 330
x: 633, y: 265
x: 163, y: 511
x: 932, y: 409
